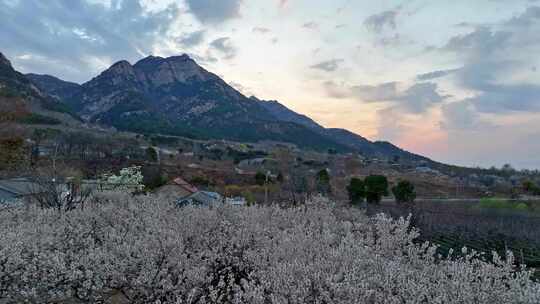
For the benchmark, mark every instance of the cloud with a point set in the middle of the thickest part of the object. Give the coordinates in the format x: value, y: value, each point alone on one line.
x: 334, y: 90
x: 527, y: 19
x: 435, y: 74
x: 225, y: 47
x: 214, y: 11
x: 460, y: 116
x: 481, y: 42
x: 328, y: 66
x: 261, y: 30
x: 311, y: 25
x: 384, y: 27
x: 378, y: 22
x: 192, y: 39
x: 415, y: 99
x: 375, y: 93
x: 492, y: 56
x: 392, y: 40
x: 390, y: 126
x: 69, y: 37
x: 500, y: 98
x: 420, y: 97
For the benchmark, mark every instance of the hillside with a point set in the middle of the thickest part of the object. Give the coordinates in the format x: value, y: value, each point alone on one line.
x: 22, y: 101
x: 55, y: 87
x: 341, y: 136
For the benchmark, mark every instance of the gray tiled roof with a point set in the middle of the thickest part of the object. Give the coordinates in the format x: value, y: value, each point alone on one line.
x: 19, y: 186
x: 203, y: 198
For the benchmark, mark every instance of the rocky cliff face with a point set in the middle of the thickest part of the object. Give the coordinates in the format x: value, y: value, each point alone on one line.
x: 175, y: 86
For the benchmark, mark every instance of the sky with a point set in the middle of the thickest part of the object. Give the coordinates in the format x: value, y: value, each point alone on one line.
x: 457, y: 81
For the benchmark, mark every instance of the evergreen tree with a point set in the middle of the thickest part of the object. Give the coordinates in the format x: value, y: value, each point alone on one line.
x: 323, y: 182
x: 404, y: 192
x: 356, y: 190
x: 376, y: 188
x: 260, y: 178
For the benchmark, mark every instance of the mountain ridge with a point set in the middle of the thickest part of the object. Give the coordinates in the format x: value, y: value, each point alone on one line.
x: 176, y: 96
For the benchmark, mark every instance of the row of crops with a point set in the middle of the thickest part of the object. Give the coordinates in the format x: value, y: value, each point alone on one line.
x: 455, y: 228
x: 524, y: 252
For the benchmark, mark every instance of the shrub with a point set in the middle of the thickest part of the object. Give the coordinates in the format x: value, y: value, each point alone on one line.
x: 522, y: 207
x: 280, y: 178
x: 536, y: 191
x: 494, y: 203
x: 153, y: 177
x: 503, y: 204
x: 260, y: 178
x: 151, y: 252
x: 37, y: 119
x: 376, y: 188
x: 404, y: 192
x: 130, y: 178
x: 12, y: 153
x: 201, y: 181
x: 323, y: 182
x: 233, y: 190
x: 528, y: 186
x: 152, y: 154
x: 249, y: 196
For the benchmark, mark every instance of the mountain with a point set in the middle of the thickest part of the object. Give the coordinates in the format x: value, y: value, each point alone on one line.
x: 22, y: 101
x: 341, y: 136
x: 176, y: 96
x: 55, y: 87
x: 283, y: 113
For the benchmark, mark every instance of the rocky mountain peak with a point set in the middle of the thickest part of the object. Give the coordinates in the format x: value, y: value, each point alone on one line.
x: 121, y: 67
x: 159, y: 71
x: 148, y: 63
x: 181, y: 58
x: 151, y: 62
x: 4, y: 60
x: 119, y: 74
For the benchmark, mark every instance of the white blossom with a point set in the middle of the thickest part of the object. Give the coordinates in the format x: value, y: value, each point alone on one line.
x: 148, y: 251
x: 128, y: 179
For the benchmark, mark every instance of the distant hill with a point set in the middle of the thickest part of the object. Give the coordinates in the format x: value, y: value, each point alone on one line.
x: 55, y: 87
x: 176, y: 96
x: 341, y: 136
x: 24, y: 102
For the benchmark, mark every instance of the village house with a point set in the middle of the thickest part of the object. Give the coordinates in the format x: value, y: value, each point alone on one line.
x: 201, y: 198
x: 177, y: 188
x: 236, y: 201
